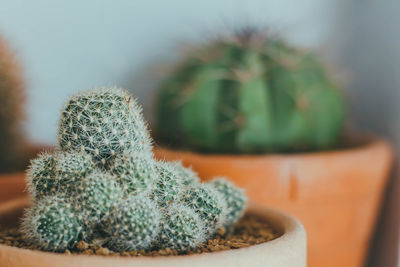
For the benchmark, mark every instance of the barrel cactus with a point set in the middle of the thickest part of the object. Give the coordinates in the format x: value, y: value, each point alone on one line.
x: 52, y: 224
x: 134, y: 224
x: 250, y: 93
x: 103, y: 122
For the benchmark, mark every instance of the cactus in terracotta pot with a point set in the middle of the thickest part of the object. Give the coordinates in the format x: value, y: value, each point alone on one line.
x: 12, y: 100
x: 247, y: 93
x: 120, y: 195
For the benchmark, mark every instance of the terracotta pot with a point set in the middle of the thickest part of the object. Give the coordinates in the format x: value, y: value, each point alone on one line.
x: 288, y: 250
x: 336, y: 194
x: 12, y: 185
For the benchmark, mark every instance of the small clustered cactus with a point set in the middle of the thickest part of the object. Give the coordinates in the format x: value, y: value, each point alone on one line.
x: 103, y: 183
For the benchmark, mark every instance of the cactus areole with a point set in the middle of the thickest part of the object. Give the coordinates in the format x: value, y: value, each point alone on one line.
x: 247, y: 94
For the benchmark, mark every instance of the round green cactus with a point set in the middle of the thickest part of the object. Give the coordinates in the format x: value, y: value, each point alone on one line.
x: 41, y: 176
x: 187, y: 175
x: 133, y: 225
x: 103, y: 122
x: 250, y: 93
x: 235, y: 199
x: 52, y: 224
x: 135, y: 172
x: 169, y: 186
x: 181, y: 228
x: 71, y: 168
x: 208, y: 203
x: 97, y: 194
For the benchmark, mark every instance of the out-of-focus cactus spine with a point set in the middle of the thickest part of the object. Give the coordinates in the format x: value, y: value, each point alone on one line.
x: 248, y: 93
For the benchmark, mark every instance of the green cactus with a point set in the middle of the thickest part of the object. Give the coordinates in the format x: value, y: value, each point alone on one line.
x: 135, y: 172
x: 97, y: 194
x: 103, y: 122
x: 250, y: 93
x: 12, y: 113
x: 208, y: 203
x: 71, y: 168
x: 130, y: 200
x: 133, y: 225
x: 181, y: 228
x: 52, y: 225
x: 188, y: 176
x: 169, y: 186
x: 235, y: 199
x: 41, y: 176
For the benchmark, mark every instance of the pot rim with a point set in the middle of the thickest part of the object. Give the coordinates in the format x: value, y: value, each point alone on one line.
x: 367, y: 142
x: 290, y: 227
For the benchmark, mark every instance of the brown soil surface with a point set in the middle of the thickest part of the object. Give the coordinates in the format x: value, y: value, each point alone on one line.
x: 248, y: 231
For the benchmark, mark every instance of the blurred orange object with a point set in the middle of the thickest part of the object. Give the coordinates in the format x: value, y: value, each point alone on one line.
x: 336, y: 194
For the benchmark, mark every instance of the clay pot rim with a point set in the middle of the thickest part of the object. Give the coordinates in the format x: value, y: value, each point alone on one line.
x: 366, y: 143
x: 291, y: 228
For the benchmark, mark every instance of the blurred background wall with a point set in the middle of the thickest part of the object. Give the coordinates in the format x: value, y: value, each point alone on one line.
x: 66, y: 46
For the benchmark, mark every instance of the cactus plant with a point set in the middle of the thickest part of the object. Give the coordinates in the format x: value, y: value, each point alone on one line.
x: 250, y: 93
x: 71, y: 168
x: 208, y: 203
x: 52, y: 224
x: 235, y: 199
x: 135, y: 172
x: 41, y: 176
x: 181, y: 228
x: 98, y: 193
x: 134, y: 224
x: 103, y: 122
x: 169, y: 185
x: 12, y: 98
x: 188, y: 176
x: 121, y: 194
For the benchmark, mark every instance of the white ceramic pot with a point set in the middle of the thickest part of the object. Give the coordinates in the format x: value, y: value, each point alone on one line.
x: 288, y: 250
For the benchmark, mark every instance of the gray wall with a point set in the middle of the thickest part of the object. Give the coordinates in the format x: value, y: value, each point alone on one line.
x: 369, y: 44
x: 66, y: 46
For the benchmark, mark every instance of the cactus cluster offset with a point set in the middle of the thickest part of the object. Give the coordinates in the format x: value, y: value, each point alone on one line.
x: 250, y: 93
x: 103, y: 183
x: 103, y: 123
